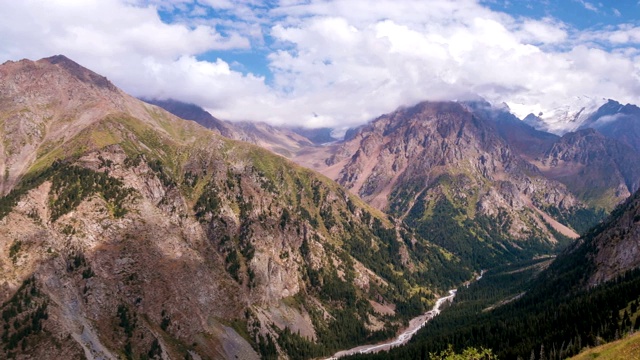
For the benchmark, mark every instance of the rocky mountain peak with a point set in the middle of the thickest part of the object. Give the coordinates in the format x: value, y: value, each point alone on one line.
x: 145, y: 234
x: 437, y: 161
x: 80, y: 72
x: 581, y: 137
x: 446, y: 120
x: 617, y: 121
x: 419, y: 138
x: 600, y: 170
x: 47, y: 102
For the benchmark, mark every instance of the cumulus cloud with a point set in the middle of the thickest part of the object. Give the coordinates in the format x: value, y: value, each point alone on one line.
x: 546, y: 31
x: 623, y: 34
x: 122, y: 41
x: 334, y: 63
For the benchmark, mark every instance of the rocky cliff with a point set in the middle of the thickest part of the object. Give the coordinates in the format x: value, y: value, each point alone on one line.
x: 444, y: 168
x: 617, y: 121
x: 599, y: 170
x: 127, y: 232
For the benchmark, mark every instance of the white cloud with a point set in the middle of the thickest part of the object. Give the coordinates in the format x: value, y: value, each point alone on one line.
x: 608, y: 119
x: 542, y: 32
x: 101, y: 28
x: 589, y: 6
x: 334, y: 63
x: 619, y: 37
x: 376, y: 60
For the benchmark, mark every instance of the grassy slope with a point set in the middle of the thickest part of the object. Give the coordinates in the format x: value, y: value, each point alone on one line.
x: 179, y: 148
x: 627, y: 348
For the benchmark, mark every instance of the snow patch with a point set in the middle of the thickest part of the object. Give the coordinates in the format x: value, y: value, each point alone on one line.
x: 561, y: 116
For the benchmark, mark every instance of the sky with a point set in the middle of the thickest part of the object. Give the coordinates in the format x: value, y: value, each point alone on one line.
x: 340, y: 63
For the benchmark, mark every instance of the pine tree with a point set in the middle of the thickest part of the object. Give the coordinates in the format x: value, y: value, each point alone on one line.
x: 626, y: 321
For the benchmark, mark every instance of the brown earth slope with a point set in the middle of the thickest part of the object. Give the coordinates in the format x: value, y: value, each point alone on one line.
x: 128, y: 232
x: 442, y: 159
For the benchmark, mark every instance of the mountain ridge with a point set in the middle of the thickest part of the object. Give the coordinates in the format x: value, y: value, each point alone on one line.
x: 617, y: 121
x: 535, y: 146
x: 114, y: 209
x: 447, y: 158
x: 566, y: 117
x: 596, y: 168
x: 286, y: 141
x: 547, y: 309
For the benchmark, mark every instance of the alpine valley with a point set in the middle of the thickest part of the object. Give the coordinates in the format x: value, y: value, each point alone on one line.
x: 129, y: 232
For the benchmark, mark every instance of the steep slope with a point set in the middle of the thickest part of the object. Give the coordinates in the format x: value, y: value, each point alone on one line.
x: 566, y: 116
x: 607, y: 251
x: 589, y: 295
x: 193, y: 112
x: 127, y: 232
x: 74, y: 92
x: 599, y: 170
x: 285, y: 141
x: 617, y: 121
x: 627, y: 348
x: 523, y: 138
x: 447, y: 172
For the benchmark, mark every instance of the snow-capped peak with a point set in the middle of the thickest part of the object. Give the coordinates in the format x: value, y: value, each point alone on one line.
x: 561, y: 116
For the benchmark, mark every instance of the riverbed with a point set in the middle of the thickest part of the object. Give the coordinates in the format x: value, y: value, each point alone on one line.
x: 414, y: 325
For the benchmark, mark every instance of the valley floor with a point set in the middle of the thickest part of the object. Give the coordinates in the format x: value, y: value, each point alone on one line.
x: 414, y: 325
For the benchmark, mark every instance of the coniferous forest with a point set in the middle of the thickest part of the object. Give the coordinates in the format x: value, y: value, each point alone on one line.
x: 536, y: 309
x: 127, y: 232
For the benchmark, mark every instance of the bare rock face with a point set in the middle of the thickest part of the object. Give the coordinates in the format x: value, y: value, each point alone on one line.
x: 616, y: 121
x: 606, y: 252
x: 94, y: 267
x: 47, y: 103
x: 127, y: 232
x: 602, y: 171
x: 444, y: 158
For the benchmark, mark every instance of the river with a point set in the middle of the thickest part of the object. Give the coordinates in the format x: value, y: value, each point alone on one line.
x: 414, y: 325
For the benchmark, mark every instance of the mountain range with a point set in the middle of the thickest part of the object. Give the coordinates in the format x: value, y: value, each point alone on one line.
x: 286, y: 141
x: 128, y: 231
x: 608, y: 117
x: 549, y: 309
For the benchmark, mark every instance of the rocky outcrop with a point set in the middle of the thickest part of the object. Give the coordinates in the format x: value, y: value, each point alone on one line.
x: 125, y: 231
x: 447, y: 155
x: 617, y: 121
x: 600, y: 170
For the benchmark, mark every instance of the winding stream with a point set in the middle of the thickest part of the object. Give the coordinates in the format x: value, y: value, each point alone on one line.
x: 414, y: 325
